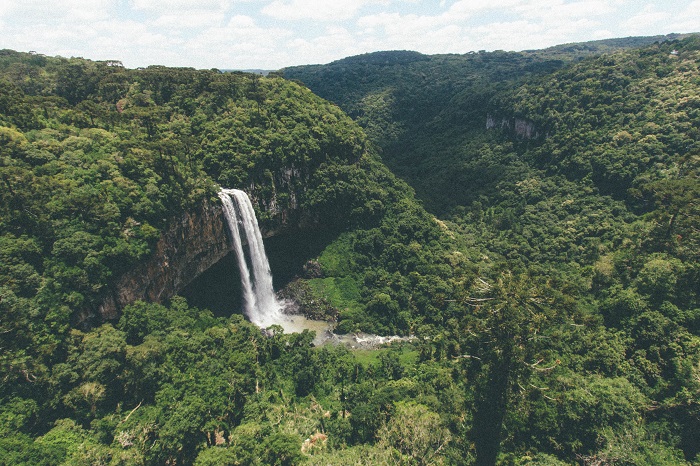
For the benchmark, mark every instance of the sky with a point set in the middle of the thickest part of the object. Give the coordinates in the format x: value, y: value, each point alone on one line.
x: 271, y: 34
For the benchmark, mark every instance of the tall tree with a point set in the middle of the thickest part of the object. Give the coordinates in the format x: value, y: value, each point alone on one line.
x: 505, y: 343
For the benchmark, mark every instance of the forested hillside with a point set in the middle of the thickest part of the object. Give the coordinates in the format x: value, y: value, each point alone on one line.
x: 585, y: 178
x: 427, y: 112
x: 97, y: 161
x: 553, y: 300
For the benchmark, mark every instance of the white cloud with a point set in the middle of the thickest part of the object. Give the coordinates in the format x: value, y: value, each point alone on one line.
x: 602, y: 34
x: 275, y: 33
x: 394, y: 23
x: 320, y: 10
x: 52, y: 11
x: 687, y: 20
x: 174, y: 5
x: 558, y: 10
x: 506, y: 35
x: 494, y: 24
x: 331, y: 44
x: 646, y: 19
x: 242, y: 21
x: 241, y: 43
x: 466, y: 8
x: 5, y: 8
x: 188, y: 19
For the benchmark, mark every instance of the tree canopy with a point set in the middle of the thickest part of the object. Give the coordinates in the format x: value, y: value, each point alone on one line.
x: 550, y: 283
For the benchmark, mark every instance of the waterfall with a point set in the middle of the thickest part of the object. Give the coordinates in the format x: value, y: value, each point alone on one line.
x: 260, y: 303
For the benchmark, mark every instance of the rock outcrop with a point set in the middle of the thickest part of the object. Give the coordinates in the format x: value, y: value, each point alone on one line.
x: 191, y: 244
x: 521, y: 127
x: 280, y: 201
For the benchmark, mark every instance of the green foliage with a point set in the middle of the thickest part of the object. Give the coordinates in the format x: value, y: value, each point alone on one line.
x: 216, y: 456
x: 281, y: 450
x: 199, y: 390
x: 577, y: 164
x: 555, y: 304
x: 635, y: 446
x: 426, y: 112
x: 342, y: 292
x: 416, y: 433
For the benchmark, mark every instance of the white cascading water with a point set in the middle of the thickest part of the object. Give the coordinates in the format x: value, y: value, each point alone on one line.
x: 261, y: 305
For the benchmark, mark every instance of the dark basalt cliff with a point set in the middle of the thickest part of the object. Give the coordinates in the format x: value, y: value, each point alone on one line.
x: 190, y: 245
x: 279, y: 200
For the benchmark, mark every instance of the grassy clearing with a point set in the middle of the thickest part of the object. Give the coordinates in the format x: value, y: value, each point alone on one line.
x: 408, y: 355
x: 342, y: 292
x: 338, y: 258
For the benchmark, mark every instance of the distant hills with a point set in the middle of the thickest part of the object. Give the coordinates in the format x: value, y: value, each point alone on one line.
x: 420, y: 108
x: 543, y: 249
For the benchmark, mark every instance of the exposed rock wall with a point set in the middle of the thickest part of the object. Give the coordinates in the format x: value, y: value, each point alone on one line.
x: 192, y: 243
x: 521, y: 127
x: 280, y: 202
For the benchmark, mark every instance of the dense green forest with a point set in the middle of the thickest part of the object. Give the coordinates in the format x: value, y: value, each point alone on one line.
x: 97, y: 161
x: 596, y: 199
x: 427, y: 113
x: 551, y: 281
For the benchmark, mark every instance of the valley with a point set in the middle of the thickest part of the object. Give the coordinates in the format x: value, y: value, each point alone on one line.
x: 526, y: 221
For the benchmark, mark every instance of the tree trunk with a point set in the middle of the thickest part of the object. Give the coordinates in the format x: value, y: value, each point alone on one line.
x: 491, y: 400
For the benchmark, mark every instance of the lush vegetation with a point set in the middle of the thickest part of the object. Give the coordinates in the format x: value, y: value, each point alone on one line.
x: 555, y: 301
x: 427, y: 112
x: 597, y: 204
x: 96, y: 161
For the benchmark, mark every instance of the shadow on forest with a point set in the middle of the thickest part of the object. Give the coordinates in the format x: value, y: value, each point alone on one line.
x: 219, y: 287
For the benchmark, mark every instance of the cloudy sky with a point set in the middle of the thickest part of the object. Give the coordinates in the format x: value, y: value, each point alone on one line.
x: 271, y: 34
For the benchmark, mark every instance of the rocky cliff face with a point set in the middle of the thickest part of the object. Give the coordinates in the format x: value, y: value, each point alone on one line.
x: 193, y: 242
x: 280, y: 202
x: 520, y: 127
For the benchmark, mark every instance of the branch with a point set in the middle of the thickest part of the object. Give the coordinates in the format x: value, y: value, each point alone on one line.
x: 542, y: 389
x: 467, y: 356
x: 653, y: 406
x: 542, y: 369
x: 533, y: 365
x: 484, y: 282
x: 438, y: 449
x: 130, y: 413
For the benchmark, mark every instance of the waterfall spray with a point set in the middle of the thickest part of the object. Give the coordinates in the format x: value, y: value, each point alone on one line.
x: 260, y: 303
